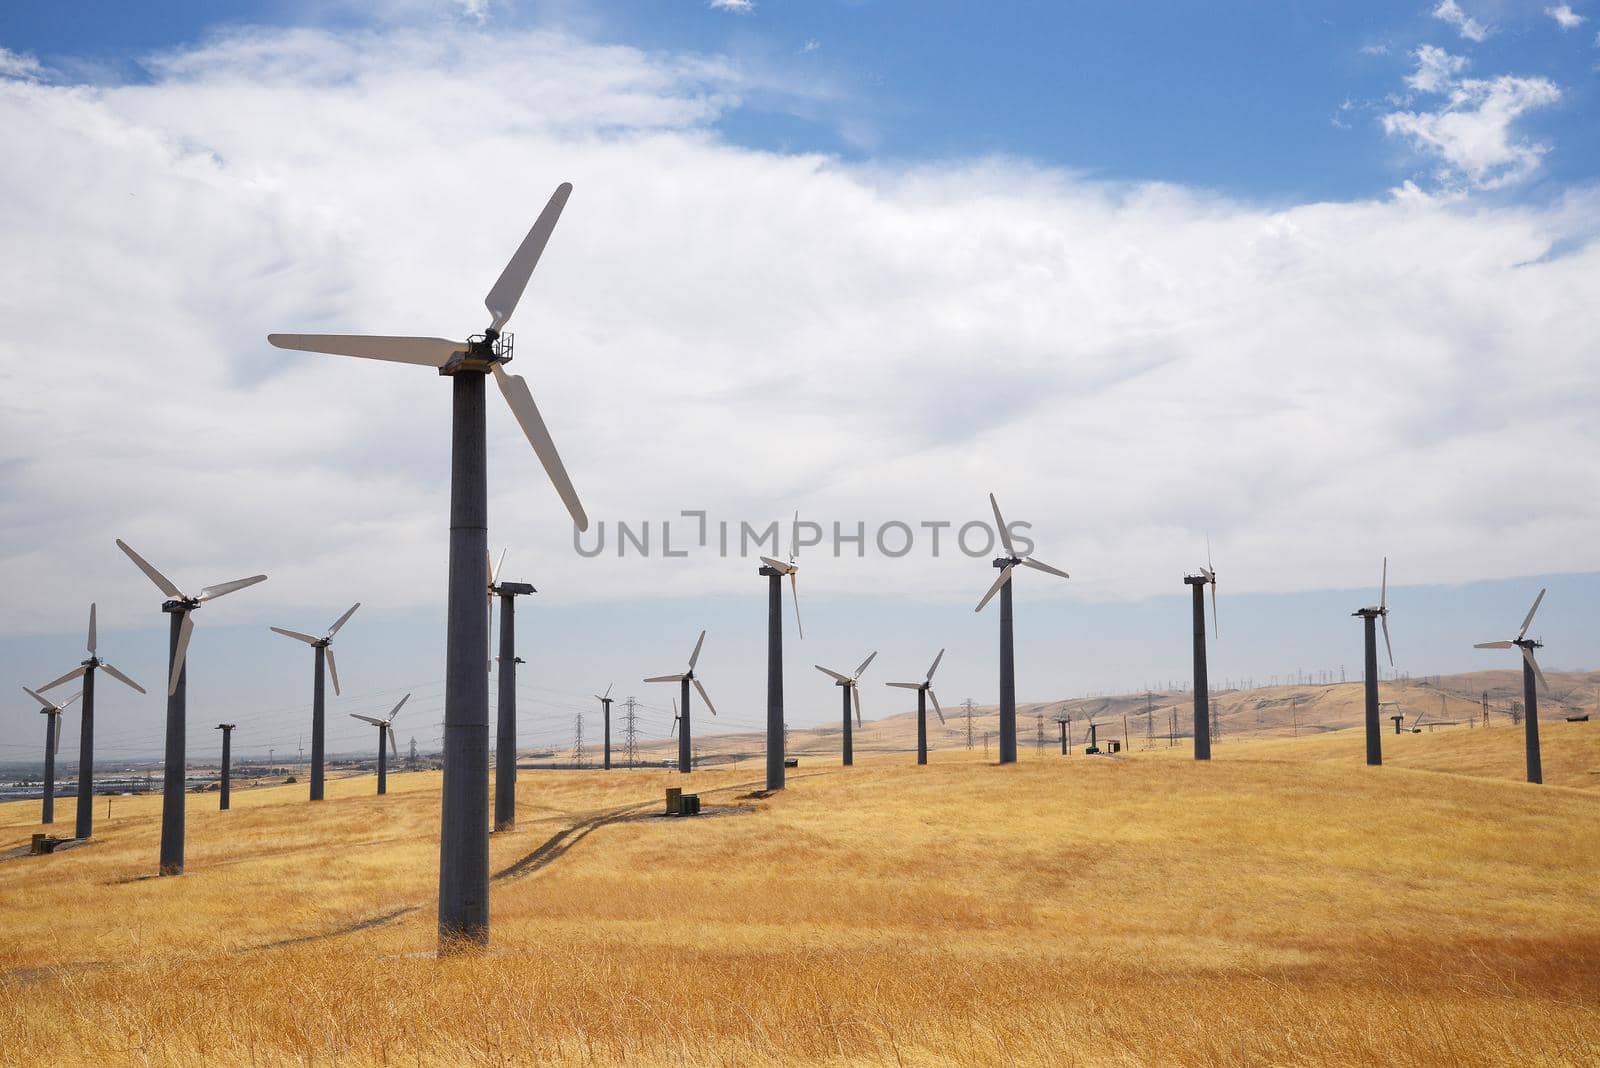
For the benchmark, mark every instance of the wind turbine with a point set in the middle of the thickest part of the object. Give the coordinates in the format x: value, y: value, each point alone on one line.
x: 86, y: 669
x: 605, y: 706
x: 1380, y: 613
x: 52, y: 741
x: 1530, y: 692
x: 505, y: 727
x: 924, y: 694
x: 685, y: 752
x: 385, y: 732
x: 774, y: 572
x: 1008, y: 678
x: 848, y: 689
x: 180, y: 607
x: 227, y: 764
x: 322, y: 649
x: 464, y: 817
x: 1202, y: 693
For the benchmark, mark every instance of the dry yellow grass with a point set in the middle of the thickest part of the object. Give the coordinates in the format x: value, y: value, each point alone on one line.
x: 1283, y: 905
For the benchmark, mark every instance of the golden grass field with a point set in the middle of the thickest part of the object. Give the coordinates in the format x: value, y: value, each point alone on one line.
x: 1282, y: 905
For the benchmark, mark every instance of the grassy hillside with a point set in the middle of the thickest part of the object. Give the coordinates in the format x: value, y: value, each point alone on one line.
x: 1284, y: 904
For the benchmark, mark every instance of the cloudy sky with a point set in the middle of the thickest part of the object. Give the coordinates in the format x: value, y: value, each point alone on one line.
x: 1317, y: 282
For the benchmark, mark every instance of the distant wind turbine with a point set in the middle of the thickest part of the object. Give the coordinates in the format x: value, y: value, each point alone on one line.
x: 685, y: 742
x: 924, y: 695
x: 1530, y: 692
x: 52, y: 742
x: 774, y: 571
x: 1379, y: 613
x: 385, y: 733
x: 322, y: 650
x: 180, y: 606
x: 849, y: 690
x: 1202, y: 685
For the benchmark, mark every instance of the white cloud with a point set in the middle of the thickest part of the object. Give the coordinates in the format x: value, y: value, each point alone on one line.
x: 1565, y: 17
x: 741, y: 331
x: 1377, y: 48
x: 1436, y: 69
x: 740, y: 6
x: 18, y: 65
x: 811, y: 45
x: 1470, y: 28
x: 1471, y: 132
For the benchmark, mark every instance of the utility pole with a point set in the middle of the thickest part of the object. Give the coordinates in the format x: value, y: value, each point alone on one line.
x: 1063, y: 721
x: 1485, y: 708
x: 1149, y: 721
x: 986, y: 745
x: 1038, y: 742
x: 630, y: 731
x: 579, y: 757
x: 411, y: 758
x: 967, y: 706
x: 1294, y: 713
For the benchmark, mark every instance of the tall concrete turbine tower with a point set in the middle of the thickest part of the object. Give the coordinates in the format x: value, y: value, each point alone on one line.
x: 1371, y: 616
x: 505, y: 736
x: 180, y: 608
x: 1530, y: 692
x: 464, y: 814
x: 1202, y: 686
x: 682, y: 720
x: 1002, y: 586
x: 849, y: 691
x: 924, y: 695
x: 385, y: 734
x: 774, y: 572
x: 86, y: 670
x: 321, y: 654
x: 52, y: 743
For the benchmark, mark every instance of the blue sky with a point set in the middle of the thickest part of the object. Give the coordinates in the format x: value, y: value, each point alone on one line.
x: 1277, y: 101
x: 1313, y: 281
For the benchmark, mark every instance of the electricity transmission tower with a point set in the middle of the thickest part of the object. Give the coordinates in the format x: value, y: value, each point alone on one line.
x: 1149, y: 721
x: 579, y: 756
x: 967, y: 706
x: 411, y: 758
x: 630, y: 731
x: 1038, y: 742
x: 986, y: 745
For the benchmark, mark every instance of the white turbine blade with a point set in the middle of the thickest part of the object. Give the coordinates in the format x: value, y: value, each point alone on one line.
x: 45, y: 701
x: 69, y: 700
x: 68, y: 677
x: 341, y: 621
x: 502, y: 299
x: 515, y: 390
x: 163, y: 583
x: 1495, y: 645
x: 794, y: 591
x: 119, y: 676
x: 1384, y: 619
x: 855, y: 694
x: 1523, y: 633
x: 1527, y: 654
x: 667, y: 678
x: 212, y: 592
x: 422, y: 351
x: 1046, y: 568
x: 494, y: 572
x: 936, y: 707
x: 394, y: 748
x: 696, y: 654
x: 1211, y: 568
x: 826, y: 671
x: 1216, y: 631
x: 1383, y: 590
x: 1005, y: 577
x: 777, y: 565
x: 705, y: 697
x: 367, y: 719
x: 395, y: 711
x: 296, y: 635
x: 1000, y: 524
x: 935, y: 665
x: 333, y: 669
x: 905, y: 685
x: 185, y: 631
x: 608, y: 690
x: 91, y: 628
x: 864, y: 664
